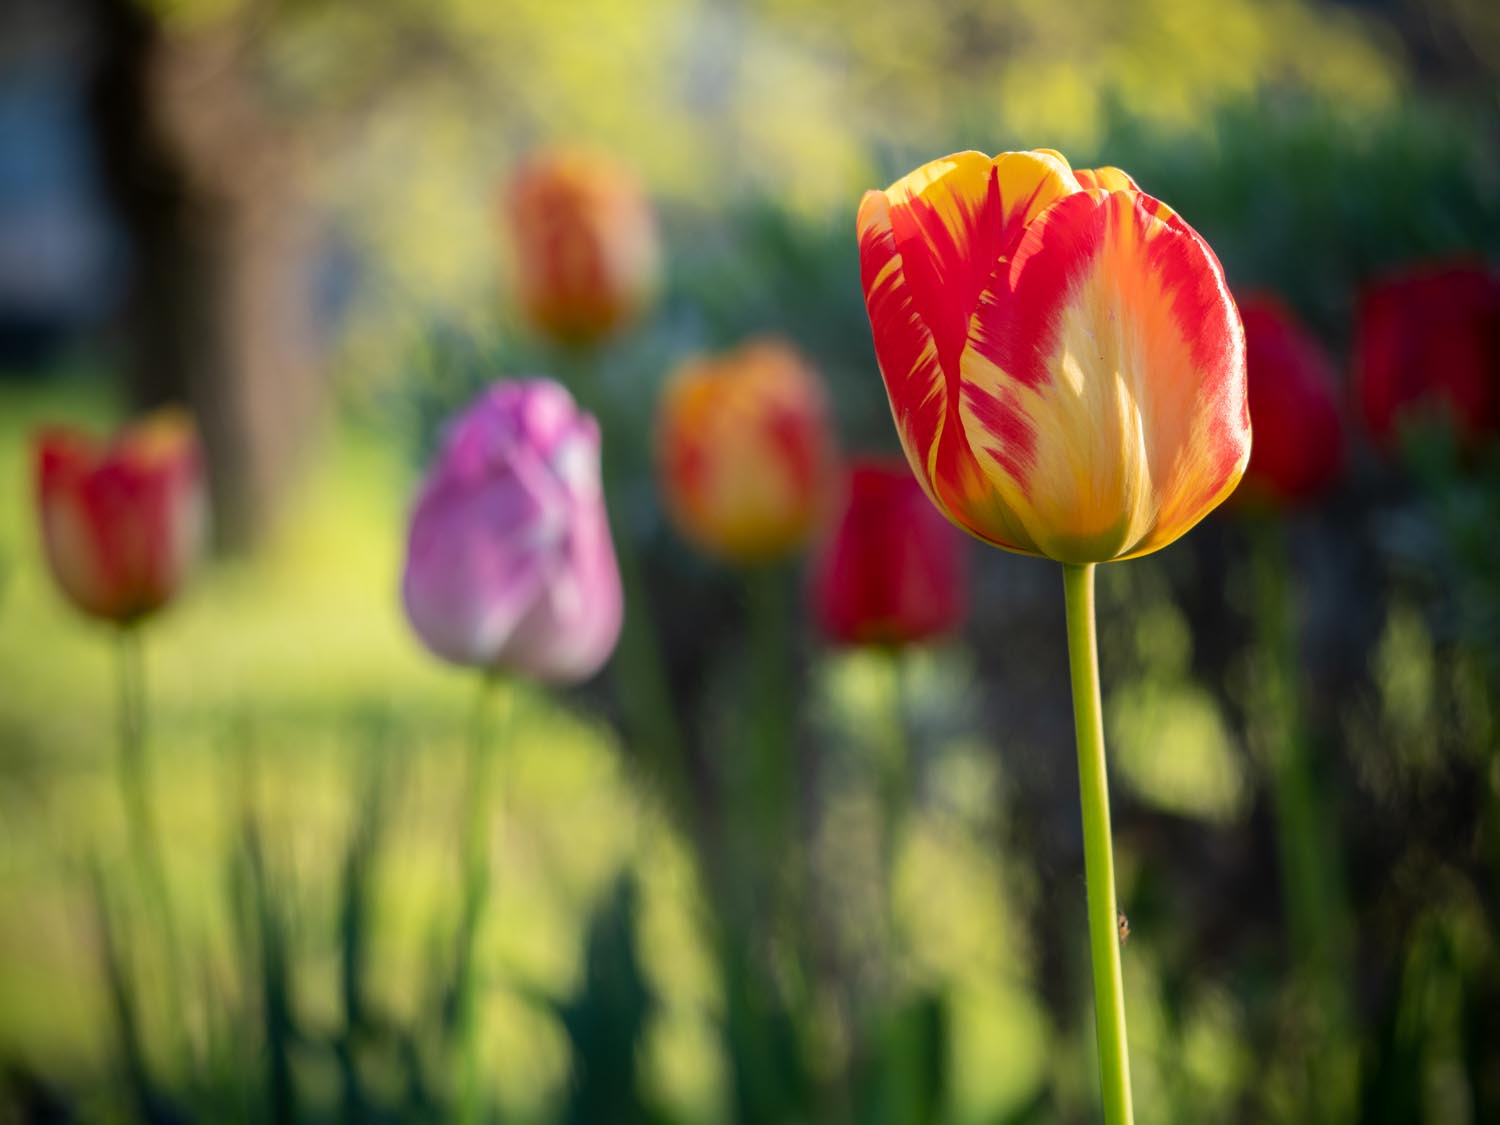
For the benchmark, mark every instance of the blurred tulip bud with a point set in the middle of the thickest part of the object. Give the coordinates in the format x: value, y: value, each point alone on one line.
x: 1299, y: 435
x: 509, y: 561
x: 746, y: 451
x: 587, y: 256
x: 1063, y: 361
x: 1427, y: 342
x: 894, y: 570
x: 123, y: 522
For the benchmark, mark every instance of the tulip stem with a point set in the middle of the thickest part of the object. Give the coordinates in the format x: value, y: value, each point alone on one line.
x: 1305, y: 885
x: 1098, y: 852
x: 1311, y: 882
x: 134, y: 769
x: 478, y: 782
x: 135, y: 774
x: 895, y: 782
x: 770, y: 708
x: 135, y: 784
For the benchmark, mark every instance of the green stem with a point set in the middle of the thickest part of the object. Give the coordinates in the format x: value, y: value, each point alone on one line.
x: 895, y: 782
x: 1098, y: 853
x: 136, y: 789
x: 769, y: 821
x: 1310, y: 878
x: 134, y: 770
x: 770, y: 712
x: 1297, y: 815
x: 479, y: 781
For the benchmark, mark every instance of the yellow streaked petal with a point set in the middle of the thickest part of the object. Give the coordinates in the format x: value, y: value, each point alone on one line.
x: 1105, y: 391
x: 1105, y: 179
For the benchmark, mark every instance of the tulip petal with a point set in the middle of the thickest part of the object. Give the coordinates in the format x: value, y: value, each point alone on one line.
x: 576, y: 617
x: 157, y: 463
x: 930, y: 247
x: 1105, y: 387
x: 1426, y: 343
x: 490, y: 545
x: 893, y: 571
x: 122, y: 523
x: 1105, y: 179
x: 746, y: 450
x: 1294, y: 407
x: 509, y: 561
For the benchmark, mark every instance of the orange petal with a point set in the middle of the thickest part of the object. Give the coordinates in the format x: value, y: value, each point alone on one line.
x: 1105, y: 386
x: 930, y: 246
x: 746, y: 451
x: 1104, y: 179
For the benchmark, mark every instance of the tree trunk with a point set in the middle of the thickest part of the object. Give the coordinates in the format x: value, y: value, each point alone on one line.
x: 219, y: 312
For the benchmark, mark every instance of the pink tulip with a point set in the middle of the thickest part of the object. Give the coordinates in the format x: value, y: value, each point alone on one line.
x: 509, y: 562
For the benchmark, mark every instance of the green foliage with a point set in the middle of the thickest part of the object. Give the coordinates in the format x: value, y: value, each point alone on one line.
x: 606, y: 1020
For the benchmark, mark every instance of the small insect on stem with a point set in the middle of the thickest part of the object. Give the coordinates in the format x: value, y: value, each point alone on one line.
x: 1124, y: 924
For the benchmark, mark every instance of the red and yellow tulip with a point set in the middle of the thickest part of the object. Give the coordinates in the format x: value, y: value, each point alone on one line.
x: 585, y: 242
x: 746, y: 452
x: 122, y: 522
x: 1064, y: 362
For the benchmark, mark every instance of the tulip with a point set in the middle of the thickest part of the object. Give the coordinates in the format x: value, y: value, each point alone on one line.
x: 1062, y: 356
x: 1299, y: 445
x: 585, y: 240
x: 509, y: 568
x: 745, y: 451
x: 1427, y: 341
x: 122, y: 522
x: 892, y: 573
x: 509, y: 562
x: 1066, y: 370
x: 122, y: 525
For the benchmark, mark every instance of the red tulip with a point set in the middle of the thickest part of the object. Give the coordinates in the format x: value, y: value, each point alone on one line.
x: 1427, y: 341
x: 585, y: 240
x: 122, y: 523
x: 893, y: 572
x: 1299, y: 436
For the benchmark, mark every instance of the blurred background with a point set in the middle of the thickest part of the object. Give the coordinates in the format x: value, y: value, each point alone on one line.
x: 290, y: 217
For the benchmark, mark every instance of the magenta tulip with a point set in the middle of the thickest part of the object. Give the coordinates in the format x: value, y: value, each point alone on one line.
x: 509, y: 562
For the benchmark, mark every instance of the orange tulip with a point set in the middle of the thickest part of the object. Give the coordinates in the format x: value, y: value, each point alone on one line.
x: 122, y: 523
x: 746, y: 451
x: 1063, y: 359
x: 585, y: 241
